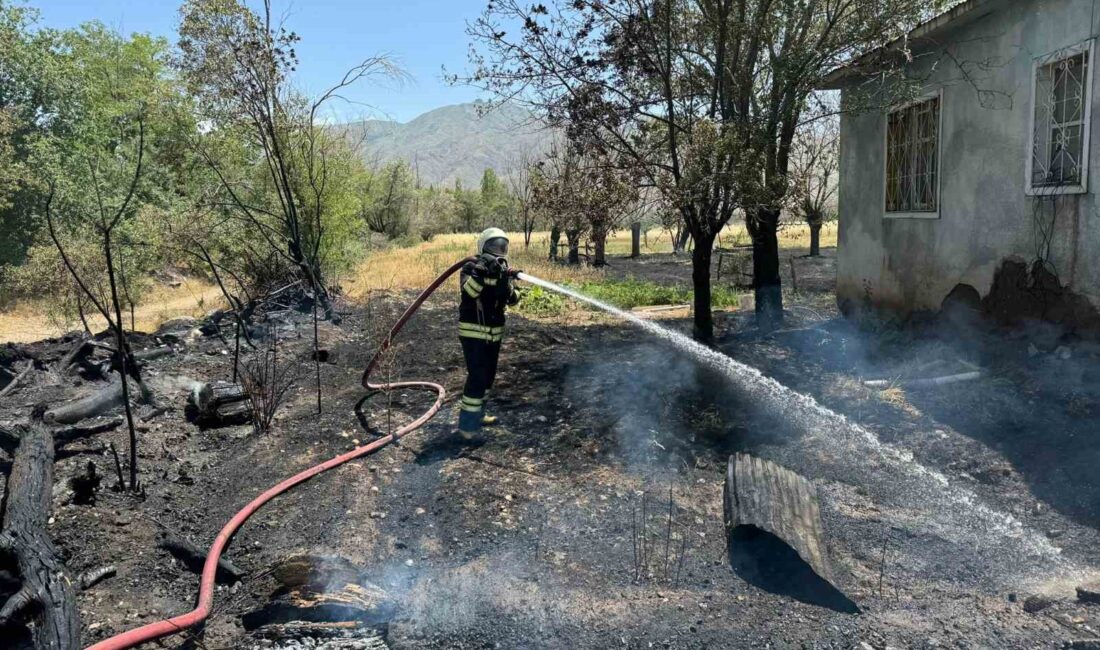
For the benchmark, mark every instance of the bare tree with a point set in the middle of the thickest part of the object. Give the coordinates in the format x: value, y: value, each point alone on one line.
x: 815, y: 168
x: 238, y: 63
x: 104, y: 219
x: 523, y: 192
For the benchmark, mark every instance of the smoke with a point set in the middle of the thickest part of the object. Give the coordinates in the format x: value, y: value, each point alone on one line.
x: 639, y: 395
x: 945, y: 524
x: 171, y: 384
x: 477, y: 597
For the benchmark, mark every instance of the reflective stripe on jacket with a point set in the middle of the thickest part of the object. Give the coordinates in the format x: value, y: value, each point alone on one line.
x: 483, y: 297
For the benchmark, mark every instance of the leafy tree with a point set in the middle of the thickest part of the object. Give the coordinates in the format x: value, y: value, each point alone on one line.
x: 469, y: 209
x: 608, y: 195
x: 431, y: 213
x: 702, y: 95
x: 34, y: 102
x: 387, y: 198
x: 491, y: 188
x: 558, y: 192
x: 238, y: 63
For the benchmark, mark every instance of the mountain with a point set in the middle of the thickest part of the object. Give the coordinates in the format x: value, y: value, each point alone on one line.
x: 453, y: 142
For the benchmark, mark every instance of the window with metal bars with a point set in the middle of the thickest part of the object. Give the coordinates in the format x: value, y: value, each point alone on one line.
x: 912, y: 157
x: 1059, y: 143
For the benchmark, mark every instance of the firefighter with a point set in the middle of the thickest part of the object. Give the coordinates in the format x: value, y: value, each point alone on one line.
x: 486, y: 290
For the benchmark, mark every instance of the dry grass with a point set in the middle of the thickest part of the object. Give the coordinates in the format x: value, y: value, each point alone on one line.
x: 390, y: 269
x: 28, y: 321
x: 414, y: 267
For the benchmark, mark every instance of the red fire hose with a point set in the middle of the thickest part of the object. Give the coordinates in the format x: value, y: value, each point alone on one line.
x: 206, y: 583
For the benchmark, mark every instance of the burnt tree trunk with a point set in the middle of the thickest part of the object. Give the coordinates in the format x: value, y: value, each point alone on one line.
x: 766, y: 282
x: 45, y: 597
x: 635, y: 239
x: 703, y: 326
x: 815, y: 239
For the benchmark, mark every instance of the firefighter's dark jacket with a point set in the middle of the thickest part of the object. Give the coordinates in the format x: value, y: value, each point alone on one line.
x: 486, y: 290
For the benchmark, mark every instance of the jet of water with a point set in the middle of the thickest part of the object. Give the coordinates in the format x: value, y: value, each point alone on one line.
x: 924, y: 500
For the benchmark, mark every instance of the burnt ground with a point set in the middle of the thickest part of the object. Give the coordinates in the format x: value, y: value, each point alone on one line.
x: 945, y: 511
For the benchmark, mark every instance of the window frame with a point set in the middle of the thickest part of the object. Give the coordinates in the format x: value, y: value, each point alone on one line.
x: 1088, y: 47
x: 913, y: 214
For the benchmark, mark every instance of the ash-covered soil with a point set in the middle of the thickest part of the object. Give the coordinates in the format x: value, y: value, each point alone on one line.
x: 536, y: 536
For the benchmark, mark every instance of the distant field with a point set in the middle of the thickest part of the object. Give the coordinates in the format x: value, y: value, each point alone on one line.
x: 29, y: 320
x: 386, y: 270
x: 415, y: 266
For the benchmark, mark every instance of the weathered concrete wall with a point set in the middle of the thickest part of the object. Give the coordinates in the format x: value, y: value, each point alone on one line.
x: 903, y: 265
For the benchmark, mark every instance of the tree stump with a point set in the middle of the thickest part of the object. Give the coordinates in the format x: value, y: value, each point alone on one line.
x: 45, y: 594
x: 218, y: 404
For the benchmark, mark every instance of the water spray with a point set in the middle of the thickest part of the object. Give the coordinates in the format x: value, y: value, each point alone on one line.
x: 971, y: 523
x: 978, y: 523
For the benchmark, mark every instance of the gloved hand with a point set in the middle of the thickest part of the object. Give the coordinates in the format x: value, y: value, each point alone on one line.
x: 496, y: 266
x: 514, y: 273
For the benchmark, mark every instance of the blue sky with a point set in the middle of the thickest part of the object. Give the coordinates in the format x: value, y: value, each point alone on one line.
x: 421, y: 35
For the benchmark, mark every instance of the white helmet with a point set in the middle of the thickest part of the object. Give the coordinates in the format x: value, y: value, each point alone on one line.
x: 488, y: 234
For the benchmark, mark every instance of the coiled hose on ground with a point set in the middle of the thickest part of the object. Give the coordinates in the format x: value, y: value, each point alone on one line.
x: 206, y: 582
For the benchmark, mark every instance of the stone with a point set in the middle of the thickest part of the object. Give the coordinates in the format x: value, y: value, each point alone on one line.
x: 1037, y: 603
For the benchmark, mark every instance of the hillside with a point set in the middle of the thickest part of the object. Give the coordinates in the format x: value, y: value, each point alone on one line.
x: 453, y: 142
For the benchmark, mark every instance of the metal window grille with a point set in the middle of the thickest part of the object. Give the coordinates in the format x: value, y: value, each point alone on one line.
x: 912, y: 157
x: 1060, y: 121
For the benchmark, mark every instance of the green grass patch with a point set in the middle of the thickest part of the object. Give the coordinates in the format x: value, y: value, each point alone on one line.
x: 624, y: 294
x: 537, y: 301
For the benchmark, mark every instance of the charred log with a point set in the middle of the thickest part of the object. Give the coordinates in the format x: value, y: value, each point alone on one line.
x: 139, y: 358
x: 10, y: 435
x: 81, y: 348
x: 95, y: 404
x: 322, y: 589
x: 86, y: 428
x: 91, y: 578
x: 14, y: 383
x: 193, y: 557
x: 44, y: 603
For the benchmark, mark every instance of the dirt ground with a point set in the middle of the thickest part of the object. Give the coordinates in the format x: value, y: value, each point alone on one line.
x: 945, y: 509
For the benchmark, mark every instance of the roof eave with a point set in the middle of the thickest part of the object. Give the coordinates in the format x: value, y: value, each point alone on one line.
x: 835, y: 80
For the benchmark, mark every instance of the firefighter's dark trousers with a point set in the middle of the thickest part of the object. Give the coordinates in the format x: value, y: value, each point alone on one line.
x: 481, y: 368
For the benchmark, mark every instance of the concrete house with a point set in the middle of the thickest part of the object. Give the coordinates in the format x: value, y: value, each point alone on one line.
x: 981, y: 183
